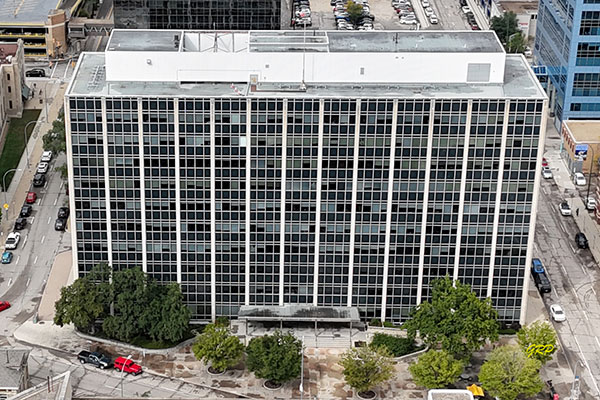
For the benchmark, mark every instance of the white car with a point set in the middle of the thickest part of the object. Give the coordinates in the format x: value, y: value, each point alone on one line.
x: 47, y: 156
x: 42, y: 168
x: 429, y: 11
x: 546, y: 173
x: 466, y: 9
x: 579, y: 179
x: 409, y: 21
x: 564, y: 208
x: 590, y: 203
x: 528, y: 52
x: 433, y: 19
x: 12, y: 240
x: 425, y: 3
x: 557, y: 313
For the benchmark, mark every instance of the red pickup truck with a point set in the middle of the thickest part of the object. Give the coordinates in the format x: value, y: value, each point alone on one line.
x: 128, y: 366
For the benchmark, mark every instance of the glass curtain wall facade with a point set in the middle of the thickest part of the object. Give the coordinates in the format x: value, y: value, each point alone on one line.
x: 198, y: 14
x: 327, y: 202
x: 567, y: 42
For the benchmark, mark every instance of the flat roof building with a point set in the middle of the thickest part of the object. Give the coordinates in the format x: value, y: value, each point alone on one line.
x: 581, y: 145
x: 330, y: 169
x: 13, y: 91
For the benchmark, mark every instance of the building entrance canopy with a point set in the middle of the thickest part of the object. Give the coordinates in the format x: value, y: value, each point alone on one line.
x: 299, y: 313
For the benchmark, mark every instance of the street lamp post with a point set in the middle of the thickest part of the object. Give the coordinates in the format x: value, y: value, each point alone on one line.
x: 27, y: 140
x: 4, y: 183
x: 123, y: 369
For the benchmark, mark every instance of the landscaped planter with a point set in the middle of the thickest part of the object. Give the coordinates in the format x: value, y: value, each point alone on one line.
x: 214, y: 372
x: 271, y: 385
x: 368, y: 395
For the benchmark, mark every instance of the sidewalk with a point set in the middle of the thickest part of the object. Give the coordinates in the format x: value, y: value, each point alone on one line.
x: 21, y: 181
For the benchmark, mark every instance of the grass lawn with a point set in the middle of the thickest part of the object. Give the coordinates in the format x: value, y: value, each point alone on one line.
x: 15, y: 145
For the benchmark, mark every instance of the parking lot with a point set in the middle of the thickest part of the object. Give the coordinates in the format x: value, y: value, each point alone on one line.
x: 449, y: 14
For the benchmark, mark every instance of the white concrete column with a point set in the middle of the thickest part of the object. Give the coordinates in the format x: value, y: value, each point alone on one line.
x: 177, y: 188
x: 354, y: 191
x: 388, y: 216
x: 248, y: 202
x: 318, y: 204
x: 71, y: 180
x: 425, y: 202
x: 213, y: 203
x: 142, y: 184
x: 282, y: 202
x: 107, y: 183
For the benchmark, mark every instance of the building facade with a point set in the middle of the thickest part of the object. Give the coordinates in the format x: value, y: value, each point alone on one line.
x: 200, y: 14
x: 13, y: 91
x: 568, y: 44
x: 580, y: 145
x: 302, y: 182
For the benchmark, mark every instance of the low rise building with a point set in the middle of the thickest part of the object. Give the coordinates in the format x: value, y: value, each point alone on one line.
x: 526, y: 12
x: 14, y: 373
x: 580, y: 146
x: 12, y: 81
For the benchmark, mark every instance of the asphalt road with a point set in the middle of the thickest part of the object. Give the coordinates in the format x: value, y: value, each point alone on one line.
x: 575, y: 281
x: 22, y: 281
x: 450, y: 15
x: 93, y: 382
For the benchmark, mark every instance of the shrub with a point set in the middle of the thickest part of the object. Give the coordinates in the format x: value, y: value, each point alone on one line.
x: 375, y: 322
x: 397, y: 346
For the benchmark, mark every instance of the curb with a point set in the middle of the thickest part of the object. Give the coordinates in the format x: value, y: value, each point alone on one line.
x: 132, y: 347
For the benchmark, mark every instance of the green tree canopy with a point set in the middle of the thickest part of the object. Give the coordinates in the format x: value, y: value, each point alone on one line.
x: 509, y: 373
x: 366, y: 367
x: 538, y: 340
x: 436, y: 369
x: 54, y: 140
x: 505, y: 25
x: 454, y: 318
x: 216, y: 345
x: 276, y: 357
x: 84, y: 301
x: 354, y: 11
x: 516, y: 43
x: 165, y: 318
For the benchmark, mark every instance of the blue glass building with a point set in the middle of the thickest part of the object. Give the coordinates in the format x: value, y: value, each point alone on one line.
x: 567, y: 42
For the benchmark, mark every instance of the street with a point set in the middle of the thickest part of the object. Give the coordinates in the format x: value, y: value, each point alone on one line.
x: 574, y: 275
x: 22, y: 281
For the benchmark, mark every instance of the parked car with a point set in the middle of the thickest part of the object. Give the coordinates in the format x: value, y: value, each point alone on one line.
x: 537, y: 267
x: 581, y: 240
x: 590, y: 203
x: 564, y: 208
x: 4, y: 305
x: 433, y: 19
x: 528, y: 52
x: 7, y: 257
x: 466, y: 9
x: 428, y: 11
x: 42, y: 168
x: 425, y: 3
x: 98, y: 359
x: 60, y: 224
x: 20, y: 223
x: 26, y: 210
x: 546, y: 173
x: 63, y: 212
x: 544, y: 162
x: 31, y: 197
x: 39, y: 180
x: 127, y: 366
x: 35, y: 73
x: 47, y: 156
x: 12, y: 240
x: 579, y: 179
x: 557, y: 313
x: 542, y: 283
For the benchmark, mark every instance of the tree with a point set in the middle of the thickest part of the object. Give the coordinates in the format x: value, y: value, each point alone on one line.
x: 509, y: 373
x: 64, y: 171
x: 538, y: 340
x: 436, y: 369
x: 165, y: 318
x: 216, y: 345
x: 366, y: 367
x: 54, y: 140
x: 354, y: 10
x: 276, y: 357
x: 129, y: 296
x: 84, y: 301
x: 516, y: 43
x: 397, y: 346
x: 505, y: 25
x: 454, y: 318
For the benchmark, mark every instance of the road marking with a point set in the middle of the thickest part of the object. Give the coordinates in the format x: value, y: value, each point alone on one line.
x: 563, y: 269
x: 55, y: 200
x: 43, y: 238
x: 32, y: 219
x: 49, y: 219
x: 583, y: 269
x: 9, y: 281
x: 544, y: 190
x: 587, y: 365
x: 25, y: 241
x: 597, y: 341
x: 35, y: 261
x: 553, y: 246
x: 544, y: 226
x: 585, y: 315
x: 575, y: 293
x: 61, y: 184
x: 18, y: 258
x: 593, y: 290
x: 28, y: 280
x: 572, y: 248
x: 46, y: 185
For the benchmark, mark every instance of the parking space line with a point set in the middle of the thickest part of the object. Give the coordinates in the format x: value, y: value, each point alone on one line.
x: 43, y: 238
x: 583, y: 269
x: 593, y: 290
x: 597, y: 341
x: 563, y: 269
x: 35, y: 261
x: 575, y: 293
x: 562, y: 227
x: 49, y: 219
x: 32, y: 219
x: 55, y: 201
x: 572, y: 248
x: 25, y: 240
x: 585, y: 315
x: 10, y: 282
x: 18, y: 258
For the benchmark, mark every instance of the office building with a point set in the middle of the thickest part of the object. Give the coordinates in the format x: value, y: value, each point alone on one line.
x: 270, y: 168
x: 13, y: 91
x: 201, y: 14
x: 567, y: 43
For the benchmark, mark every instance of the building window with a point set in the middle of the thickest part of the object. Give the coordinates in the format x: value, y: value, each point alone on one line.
x: 10, y: 104
x: 590, y: 23
x: 9, y: 89
x: 8, y: 77
x: 586, y: 84
x: 588, y: 54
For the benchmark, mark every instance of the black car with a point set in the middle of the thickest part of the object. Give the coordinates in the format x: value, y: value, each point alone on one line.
x: 581, y: 240
x: 26, y: 210
x: 36, y: 73
x: 543, y: 283
x: 60, y: 224
x: 63, y: 212
x: 39, y: 180
x: 97, y: 359
x: 20, y: 223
